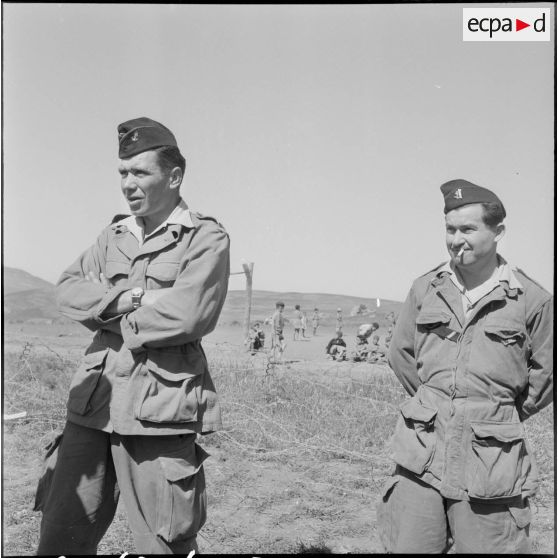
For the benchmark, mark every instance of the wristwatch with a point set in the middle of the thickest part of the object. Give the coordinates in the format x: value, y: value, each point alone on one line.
x: 137, y: 293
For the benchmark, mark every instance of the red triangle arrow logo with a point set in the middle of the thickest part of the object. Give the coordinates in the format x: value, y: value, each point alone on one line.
x: 519, y: 25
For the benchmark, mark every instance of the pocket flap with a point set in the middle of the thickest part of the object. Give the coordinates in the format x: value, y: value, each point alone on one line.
x: 114, y: 268
x: 414, y: 410
x: 502, y: 431
x: 503, y: 331
x: 430, y: 317
x: 163, y: 271
x: 95, y: 359
x: 183, y: 464
x: 175, y: 367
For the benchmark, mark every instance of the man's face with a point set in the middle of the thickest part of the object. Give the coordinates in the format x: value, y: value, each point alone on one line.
x: 146, y: 185
x: 470, y: 242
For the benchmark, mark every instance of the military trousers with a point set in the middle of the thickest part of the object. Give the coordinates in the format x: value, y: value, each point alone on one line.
x: 414, y: 518
x: 160, y: 479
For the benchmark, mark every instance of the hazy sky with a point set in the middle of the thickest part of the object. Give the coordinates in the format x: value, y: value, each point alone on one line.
x: 318, y: 135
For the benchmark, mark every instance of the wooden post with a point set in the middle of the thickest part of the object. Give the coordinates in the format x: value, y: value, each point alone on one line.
x: 248, y: 271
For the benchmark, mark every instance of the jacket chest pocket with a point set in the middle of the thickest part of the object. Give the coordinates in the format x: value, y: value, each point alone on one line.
x: 507, y: 334
x: 433, y: 338
x: 497, y: 462
x: 170, y: 393
x: 117, y: 272
x: 414, y: 440
x: 161, y: 274
x: 433, y: 322
x: 505, y: 351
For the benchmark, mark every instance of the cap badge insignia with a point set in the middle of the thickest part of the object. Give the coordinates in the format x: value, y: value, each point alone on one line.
x: 135, y: 136
x: 457, y: 195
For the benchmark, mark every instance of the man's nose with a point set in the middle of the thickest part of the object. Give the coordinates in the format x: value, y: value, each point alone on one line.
x: 128, y: 183
x: 457, y: 239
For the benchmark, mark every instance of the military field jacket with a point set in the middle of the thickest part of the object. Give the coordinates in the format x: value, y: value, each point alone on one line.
x: 145, y: 372
x: 473, y: 382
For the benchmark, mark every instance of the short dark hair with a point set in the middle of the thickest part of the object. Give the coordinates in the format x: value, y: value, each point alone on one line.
x: 169, y: 157
x: 493, y: 214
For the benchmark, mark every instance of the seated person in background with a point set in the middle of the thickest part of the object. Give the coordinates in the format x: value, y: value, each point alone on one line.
x: 376, y: 353
x: 256, y: 337
x: 387, y: 338
x: 362, y: 350
x: 337, y: 347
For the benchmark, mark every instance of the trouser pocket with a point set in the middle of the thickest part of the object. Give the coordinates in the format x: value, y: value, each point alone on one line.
x: 182, y: 509
x: 384, y: 514
x: 45, y: 482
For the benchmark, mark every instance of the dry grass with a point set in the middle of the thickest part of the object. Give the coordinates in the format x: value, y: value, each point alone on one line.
x: 297, y: 468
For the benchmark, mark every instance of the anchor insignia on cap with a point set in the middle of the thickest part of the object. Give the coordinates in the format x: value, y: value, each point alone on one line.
x: 135, y: 136
x: 457, y: 195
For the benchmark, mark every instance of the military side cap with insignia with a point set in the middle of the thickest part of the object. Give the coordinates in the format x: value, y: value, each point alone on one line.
x: 461, y: 192
x: 141, y: 134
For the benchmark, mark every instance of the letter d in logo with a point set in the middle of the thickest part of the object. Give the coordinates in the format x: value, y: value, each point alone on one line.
x: 542, y: 21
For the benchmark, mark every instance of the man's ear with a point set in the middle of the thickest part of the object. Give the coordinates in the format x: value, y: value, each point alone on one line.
x: 500, y: 231
x: 175, y: 178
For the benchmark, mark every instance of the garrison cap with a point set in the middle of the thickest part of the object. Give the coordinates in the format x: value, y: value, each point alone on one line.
x: 461, y: 192
x: 141, y: 134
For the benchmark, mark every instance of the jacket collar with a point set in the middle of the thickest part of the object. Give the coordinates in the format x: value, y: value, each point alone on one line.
x: 506, y: 277
x: 180, y: 215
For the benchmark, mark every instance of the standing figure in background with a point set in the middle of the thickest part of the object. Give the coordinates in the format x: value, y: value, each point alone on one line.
x: 339, y: 321
x: 303, y: 325
x: 315, y: 321
x: 277, y: 324
x: 297, y: 323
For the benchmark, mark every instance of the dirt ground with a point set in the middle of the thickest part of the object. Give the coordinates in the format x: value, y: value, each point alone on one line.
x: 257, y: 504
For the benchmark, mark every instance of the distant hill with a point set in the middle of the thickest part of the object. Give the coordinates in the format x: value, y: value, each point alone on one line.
x: 27, y: 297
x: 17, y: 280
x: 263, y: 306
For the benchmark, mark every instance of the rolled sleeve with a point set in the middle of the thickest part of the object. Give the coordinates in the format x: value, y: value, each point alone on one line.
x: 76, y: 297
x: 110, y: 296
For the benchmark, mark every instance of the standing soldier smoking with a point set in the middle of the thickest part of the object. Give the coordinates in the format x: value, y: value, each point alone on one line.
x: 473, y: 347
x: 151, y: 287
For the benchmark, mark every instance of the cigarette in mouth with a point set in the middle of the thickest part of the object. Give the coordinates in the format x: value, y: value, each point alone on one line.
x: 460, y: 253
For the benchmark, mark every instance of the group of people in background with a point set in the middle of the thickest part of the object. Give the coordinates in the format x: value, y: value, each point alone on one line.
x: 375, y: 352
x: 336, y: 349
